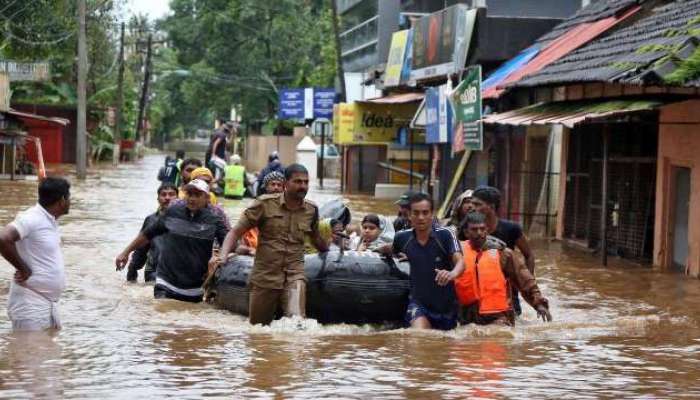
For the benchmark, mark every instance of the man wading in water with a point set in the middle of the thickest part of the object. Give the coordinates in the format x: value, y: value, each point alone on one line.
x: 189, y: 230
x: 436, y: 261
x: 487, y: 200
x: 148, y: 255
x: 31, y: 243
x: 283, y: 220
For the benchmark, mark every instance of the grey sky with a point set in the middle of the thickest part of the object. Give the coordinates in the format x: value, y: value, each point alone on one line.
x: 153, y: 8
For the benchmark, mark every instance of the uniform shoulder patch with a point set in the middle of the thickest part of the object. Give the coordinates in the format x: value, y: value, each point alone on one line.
x: 269, y: 196
x: 311, y: 203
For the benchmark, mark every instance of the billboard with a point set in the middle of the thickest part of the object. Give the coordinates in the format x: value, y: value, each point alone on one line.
x: 394, y: 64
x: 370, y: 123
x: 441, y: 42
x: 466, y: 101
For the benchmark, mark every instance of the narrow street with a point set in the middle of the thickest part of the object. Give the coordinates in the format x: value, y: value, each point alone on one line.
x: 620, y: 331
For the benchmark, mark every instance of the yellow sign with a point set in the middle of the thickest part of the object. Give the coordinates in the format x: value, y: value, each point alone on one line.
x: 394, y: 64
x: 370, y: 123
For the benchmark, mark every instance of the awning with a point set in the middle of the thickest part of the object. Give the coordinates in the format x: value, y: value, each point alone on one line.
x: 569, y: 114
x: 402, y: 98
x: 23, y: 115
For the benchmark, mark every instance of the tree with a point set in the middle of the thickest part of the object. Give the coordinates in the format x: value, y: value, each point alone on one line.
x: 241, y: 52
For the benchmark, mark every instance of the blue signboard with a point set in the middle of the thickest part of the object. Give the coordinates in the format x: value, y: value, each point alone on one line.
x: 323, y: 102
x: 291, y: 104
x: 432, y: 119
x: 438, y: 116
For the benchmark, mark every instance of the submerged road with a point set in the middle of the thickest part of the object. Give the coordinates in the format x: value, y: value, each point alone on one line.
x: 622, y: 331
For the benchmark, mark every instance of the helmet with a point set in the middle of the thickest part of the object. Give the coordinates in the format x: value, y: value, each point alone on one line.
x: 273, y: 156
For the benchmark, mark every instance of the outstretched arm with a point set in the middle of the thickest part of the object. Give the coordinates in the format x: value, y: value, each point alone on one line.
x: 140, y: 241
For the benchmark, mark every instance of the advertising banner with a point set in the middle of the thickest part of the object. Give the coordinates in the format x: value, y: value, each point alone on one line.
x: 466, y: 101
x: 368, y: 123
x: 441, y: 42
x: 394, y: 63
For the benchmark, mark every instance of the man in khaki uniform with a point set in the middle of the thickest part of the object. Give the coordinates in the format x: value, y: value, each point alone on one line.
x: 283, y: 219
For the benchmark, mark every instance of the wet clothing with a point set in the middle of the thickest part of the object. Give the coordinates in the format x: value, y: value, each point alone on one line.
x: 186, y: 247
x: 482, y: 283
x: 280, y: 252
x: 279, y: 259
x: 510, y: 232
x: 272, y: 166
x: 216, y: 208
x: 146, y: 255
x: 34, y: 305
x: 264, y: 303
x: 444, y: 322
x: 425, y: 259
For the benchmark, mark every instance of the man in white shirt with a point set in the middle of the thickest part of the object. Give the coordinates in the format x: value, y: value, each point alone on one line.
x: 31, y: 243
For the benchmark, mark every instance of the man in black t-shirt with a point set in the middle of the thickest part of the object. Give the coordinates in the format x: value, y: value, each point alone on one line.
x: 217, y: 144
x: 487, y: 200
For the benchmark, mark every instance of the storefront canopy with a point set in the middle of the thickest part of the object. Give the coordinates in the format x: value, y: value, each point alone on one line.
x: 34, y: 117
x: 570, y: 114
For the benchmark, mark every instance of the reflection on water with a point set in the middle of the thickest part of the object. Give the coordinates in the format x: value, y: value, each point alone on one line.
x: 623, y: 331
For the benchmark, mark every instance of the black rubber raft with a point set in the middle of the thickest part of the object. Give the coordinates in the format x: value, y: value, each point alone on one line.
x: 342, y: 287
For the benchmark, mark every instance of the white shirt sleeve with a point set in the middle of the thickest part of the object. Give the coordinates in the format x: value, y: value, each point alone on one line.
x: 23, y: 223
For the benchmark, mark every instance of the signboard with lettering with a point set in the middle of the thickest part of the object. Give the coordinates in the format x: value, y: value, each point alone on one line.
x: 324, y: 98
x: 20, y: 71
x: 370, y: 123
x: 307, y: 103
x: 441, y: 42
x: 291, y: 104
x: 466, y: 101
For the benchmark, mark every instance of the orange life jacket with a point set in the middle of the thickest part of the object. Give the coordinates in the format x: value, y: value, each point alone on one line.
x: 483, y: 281
x: 250, y: 238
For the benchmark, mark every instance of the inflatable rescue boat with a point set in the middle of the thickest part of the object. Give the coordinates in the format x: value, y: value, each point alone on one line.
x: 343, y: 287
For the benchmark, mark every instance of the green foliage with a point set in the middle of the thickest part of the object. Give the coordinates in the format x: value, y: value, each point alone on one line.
x: 239, y: 52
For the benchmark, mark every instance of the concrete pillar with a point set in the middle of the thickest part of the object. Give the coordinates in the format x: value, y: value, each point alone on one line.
x: 306, y: 156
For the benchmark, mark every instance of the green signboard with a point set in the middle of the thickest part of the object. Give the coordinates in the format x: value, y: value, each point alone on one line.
x: 466, y: 101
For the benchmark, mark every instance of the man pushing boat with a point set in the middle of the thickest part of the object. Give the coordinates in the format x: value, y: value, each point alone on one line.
x: 283, y: 219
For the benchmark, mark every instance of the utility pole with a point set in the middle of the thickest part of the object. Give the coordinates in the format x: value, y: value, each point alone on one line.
x: 81, y: 142
x: 338, y: 50
x: 120, y: 101
x: 144, y: 90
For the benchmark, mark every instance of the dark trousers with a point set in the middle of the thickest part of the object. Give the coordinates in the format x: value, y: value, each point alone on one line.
x: 161, y: 292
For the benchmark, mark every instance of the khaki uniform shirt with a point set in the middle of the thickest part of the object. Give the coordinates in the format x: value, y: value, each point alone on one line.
x: 280, y: 253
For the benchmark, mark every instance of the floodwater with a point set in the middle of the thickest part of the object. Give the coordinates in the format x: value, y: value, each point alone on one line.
x: 623, y: 331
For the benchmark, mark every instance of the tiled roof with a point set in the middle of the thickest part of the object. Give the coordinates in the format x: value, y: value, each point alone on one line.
x: 643, y: 53
x: 595, y: 11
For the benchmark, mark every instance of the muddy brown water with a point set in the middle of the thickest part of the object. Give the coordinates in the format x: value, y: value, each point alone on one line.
x: 619, y: 332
